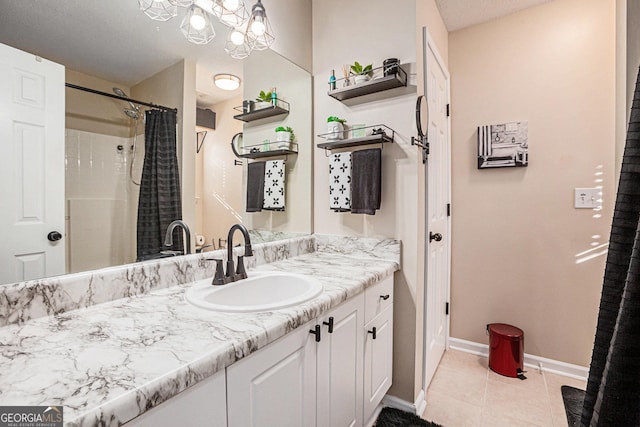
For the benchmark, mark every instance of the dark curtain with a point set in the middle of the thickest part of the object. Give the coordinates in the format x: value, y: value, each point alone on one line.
x: 159, y: 202
x: 612, y: 397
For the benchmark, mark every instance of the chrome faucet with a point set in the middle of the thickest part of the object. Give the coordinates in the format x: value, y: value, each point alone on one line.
x: 232, y: 273
x: 168, y: 238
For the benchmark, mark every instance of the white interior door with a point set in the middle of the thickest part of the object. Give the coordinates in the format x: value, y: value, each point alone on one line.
x: 437, y: 173
x: 32, y: 172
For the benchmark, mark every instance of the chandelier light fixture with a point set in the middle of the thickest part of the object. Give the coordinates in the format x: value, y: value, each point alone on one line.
x: 247, y: 31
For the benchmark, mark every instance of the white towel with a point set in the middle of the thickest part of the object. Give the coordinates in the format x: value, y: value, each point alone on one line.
x: 340, y: 182
x: 274, y: 185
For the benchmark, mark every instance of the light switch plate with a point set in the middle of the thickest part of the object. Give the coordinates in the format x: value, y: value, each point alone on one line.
x: 588, y: 198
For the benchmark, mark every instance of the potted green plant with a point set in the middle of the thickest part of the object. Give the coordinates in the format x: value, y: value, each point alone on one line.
x: 335, y: 128
x: 263, y: 100
x: 284, y: 137
x: 362, y: 73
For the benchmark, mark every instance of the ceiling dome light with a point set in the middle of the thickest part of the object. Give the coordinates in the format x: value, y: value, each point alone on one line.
x: 226, y: 81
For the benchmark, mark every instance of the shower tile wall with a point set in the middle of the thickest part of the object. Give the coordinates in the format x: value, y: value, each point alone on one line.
x: 97, y: 200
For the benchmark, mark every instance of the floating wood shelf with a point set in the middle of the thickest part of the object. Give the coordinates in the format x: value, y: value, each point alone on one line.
x: 372, y: 86
x: 255, y: 153
x: 377, y: 138
x: 281, y: 108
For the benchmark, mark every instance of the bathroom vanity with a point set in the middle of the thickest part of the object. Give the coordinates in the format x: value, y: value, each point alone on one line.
x: 152, y: 358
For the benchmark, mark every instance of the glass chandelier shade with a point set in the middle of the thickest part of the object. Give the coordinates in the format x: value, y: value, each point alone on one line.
x: 232, y: 13
x: 259, y: 33
x: 196, y: 26
x: 159, y: 10
x: 236, y: 44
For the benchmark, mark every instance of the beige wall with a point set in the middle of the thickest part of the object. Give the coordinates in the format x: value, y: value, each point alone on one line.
x: 336, y: 43
x: 291, y: 22
x: 516, y: 237
x: 222, y: 196
x: 427, y: 15
x: 175, y: 87
x: 94, y: 113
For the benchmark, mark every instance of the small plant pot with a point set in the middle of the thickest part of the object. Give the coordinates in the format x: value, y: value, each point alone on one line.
x: 283, y: 136
x: 282, y: 145
x: 335, y: 131
x: 261, y: 105
x: 361, y: 78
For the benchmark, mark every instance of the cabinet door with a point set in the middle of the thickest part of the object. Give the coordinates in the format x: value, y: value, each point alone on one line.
x: 378, y: 360
x: 275, y: 386
x: 202, y: 405
x: 340, y: 365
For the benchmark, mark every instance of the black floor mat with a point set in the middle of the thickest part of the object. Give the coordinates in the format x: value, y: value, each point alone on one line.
x: 391, y: 417
x: 573, y: 398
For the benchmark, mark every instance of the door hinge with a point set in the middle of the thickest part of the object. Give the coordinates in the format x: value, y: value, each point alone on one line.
x: 448, y: 112
x: 448, y: 209
x: 446, y: 309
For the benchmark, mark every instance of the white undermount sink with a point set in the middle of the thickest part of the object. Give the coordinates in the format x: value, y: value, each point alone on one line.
x: 261, y: 291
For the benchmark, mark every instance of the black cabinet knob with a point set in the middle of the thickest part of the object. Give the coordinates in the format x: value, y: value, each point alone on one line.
x: 316, y: 331
x: 435, y: 236
x: 329, y: 324
x: 54, y: 236
x: 373, y: 332
x: 385, y: 297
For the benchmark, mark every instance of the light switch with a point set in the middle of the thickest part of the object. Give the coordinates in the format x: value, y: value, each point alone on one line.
x: 588, y: 198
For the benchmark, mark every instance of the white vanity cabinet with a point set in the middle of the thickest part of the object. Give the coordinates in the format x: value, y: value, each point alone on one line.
x: 378, y: 348
x: 340, y: 365
x: 204, y: 404
x: 276, y: 386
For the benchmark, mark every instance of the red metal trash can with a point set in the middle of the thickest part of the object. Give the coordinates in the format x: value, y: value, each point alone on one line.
x: 506, y: 350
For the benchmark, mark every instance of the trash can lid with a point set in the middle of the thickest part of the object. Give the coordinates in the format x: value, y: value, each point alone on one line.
x: 506, y: 330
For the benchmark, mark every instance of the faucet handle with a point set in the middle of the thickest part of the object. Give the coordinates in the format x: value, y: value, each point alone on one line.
x: 241, y: 273
x: 218, y: 278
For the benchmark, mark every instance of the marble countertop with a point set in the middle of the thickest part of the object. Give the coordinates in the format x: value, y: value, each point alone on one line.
x: 110, y: 362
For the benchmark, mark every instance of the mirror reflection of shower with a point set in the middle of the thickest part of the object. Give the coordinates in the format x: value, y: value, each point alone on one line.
x: 133, y: 113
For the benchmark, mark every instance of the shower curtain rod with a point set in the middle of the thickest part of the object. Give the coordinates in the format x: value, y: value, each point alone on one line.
x: 122, y: 98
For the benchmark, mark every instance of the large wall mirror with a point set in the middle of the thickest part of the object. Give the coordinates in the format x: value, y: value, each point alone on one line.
x: 113, y: 47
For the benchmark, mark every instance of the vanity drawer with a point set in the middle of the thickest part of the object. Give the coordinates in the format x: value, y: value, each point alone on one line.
x: 378, y: 297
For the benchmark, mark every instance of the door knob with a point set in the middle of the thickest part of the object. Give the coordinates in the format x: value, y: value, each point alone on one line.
x: 54, y: 236
x: 434, y: 236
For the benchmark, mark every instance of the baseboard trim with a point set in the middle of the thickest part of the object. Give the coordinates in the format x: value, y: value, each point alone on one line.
x: 417, y: 407
x: 530, y: 360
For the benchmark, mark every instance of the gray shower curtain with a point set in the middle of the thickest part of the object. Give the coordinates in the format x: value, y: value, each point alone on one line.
x: 159, y: 203
x: 612, y: 397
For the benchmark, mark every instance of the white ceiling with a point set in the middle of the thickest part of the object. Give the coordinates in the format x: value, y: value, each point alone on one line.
x: 458, y: 14
x: 114, y: 40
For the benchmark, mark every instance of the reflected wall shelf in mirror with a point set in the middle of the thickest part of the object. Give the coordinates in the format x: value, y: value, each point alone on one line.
x: 379, y: 84
x: 377, y: 134
x: 280, y: 108
x: 258, y: 151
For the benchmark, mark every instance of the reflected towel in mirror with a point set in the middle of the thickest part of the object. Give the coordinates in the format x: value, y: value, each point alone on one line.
x: 274, y: 177
x: 340, y: 182
x: 255, y: 186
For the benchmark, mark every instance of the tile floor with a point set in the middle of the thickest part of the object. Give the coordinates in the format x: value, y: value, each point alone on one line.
x: 465, y: 392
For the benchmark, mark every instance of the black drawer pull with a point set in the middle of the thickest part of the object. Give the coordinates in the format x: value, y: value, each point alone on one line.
x: 329, y: 324
x: 373, y: 332
x: 385, y: 297
x: 316, y: 331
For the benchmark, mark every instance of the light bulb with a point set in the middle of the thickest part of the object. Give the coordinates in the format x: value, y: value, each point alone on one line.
x: 231, y: 5
x: 257, y: 27
x: 197, y: 21
x: 237, y: 37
